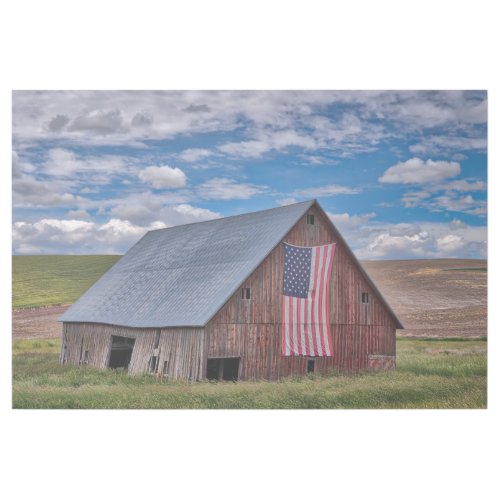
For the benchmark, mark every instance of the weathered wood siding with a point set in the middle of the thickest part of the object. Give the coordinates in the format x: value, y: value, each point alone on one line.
x: 251, y: 329
x: 180, y: 351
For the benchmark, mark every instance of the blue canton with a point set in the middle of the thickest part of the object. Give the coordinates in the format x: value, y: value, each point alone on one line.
x: 297, y: 271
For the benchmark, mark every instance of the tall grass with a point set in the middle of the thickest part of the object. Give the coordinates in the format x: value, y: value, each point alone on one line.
x: 430, y: 374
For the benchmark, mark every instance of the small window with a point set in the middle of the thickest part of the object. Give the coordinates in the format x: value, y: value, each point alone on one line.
x: 86, y: 357
x: 310, y: 219
x: 165, y: 368
x: 153, y: 364
x: 364, y: 297
x: 310, y: 366
x: 157, y: 339
x: 245, y: 293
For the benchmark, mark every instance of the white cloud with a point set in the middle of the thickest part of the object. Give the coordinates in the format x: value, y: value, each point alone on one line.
x: 116, y: 229
x: 142, y: 120
x: 99, y: 122
x: 29, y: 192
x: 455, y: 203
x: 170, y: 208
x: 346, y: 221
x: 417, y: 171
x: 330, y: 190
x: 344, y: 137
x: 20, y: 166
x: 287, y: 201
x: 414, y: 199
x: 452, y: 197
x: 247, y: 149
x: 418, y: 240
x: 163, y: 177
x: 113, y: 236
x: 194, y: 214
x: 221, y: 188
x: 463, y: 185
x: 268, y: 120
x: 88, y: 190
x: 194, y: 154
x: 450, y: 244
x: 74, y: 236
x: 64, y: 163
x: 437, y: 145
x: 65, y: 226
x: 371, y: 239
x: 57, y: 123
x: 452, y: 202
x: 138, y: 209
x: 456, y: 224
x: 78, y: 214
x: 282, y: 139
x: 387, y: 244
x: 318, y: 160
x: 481, y: 210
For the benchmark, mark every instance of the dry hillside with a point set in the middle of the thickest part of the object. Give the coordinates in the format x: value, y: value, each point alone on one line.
x: 442, y: 297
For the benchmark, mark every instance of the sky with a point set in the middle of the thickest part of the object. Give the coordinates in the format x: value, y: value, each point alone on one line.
x: 402, y: 174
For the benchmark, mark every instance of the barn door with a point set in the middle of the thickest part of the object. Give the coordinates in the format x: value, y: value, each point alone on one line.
x: 223, y: 368
x: 121, y: 352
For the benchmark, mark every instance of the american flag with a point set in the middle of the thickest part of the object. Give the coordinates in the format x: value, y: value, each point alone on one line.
x: 305, y: 310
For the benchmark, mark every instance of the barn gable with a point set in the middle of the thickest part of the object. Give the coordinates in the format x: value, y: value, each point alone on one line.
x: 346, y: 268
x: 250, y: 329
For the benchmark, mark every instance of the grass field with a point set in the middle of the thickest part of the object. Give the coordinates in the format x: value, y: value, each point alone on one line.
x: 44, y: 280
x: 430, y: 374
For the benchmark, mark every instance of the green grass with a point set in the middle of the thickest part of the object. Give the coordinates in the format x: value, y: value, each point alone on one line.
x: 44, y: 280
x: 430, y: 374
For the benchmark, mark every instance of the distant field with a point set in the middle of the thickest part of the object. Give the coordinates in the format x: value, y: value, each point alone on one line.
x: 435, y: 297
x: 430, y: 374
x: 44, y: 280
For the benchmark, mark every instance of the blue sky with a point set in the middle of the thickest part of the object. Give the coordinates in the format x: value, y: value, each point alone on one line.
x: 402, y: 174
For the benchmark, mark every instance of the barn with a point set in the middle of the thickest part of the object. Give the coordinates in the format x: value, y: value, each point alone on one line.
x: 216, y: 300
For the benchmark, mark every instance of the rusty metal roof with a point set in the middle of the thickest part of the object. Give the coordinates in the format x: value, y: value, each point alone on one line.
x: 181, y: 276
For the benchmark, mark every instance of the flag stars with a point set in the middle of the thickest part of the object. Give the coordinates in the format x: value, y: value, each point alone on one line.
x: 297, y: 271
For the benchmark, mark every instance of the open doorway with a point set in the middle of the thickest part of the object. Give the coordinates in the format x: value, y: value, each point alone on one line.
x: 310, y: 365
x: 223, y: 368
x: 121, y: 352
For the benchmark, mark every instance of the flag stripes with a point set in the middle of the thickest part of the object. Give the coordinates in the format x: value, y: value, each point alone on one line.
x: 306, y: 327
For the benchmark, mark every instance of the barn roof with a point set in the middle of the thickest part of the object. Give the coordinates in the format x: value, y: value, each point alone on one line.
x: 181, y: 276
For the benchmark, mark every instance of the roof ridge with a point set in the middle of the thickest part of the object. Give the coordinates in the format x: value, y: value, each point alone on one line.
x: 311, y: 201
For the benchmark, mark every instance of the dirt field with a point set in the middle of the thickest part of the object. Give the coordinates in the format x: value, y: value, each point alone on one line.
x: 39, y: 322
x: 429, y: 296
x: 435, y: 298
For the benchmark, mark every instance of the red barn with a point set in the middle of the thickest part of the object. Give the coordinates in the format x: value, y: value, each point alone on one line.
x: 208, y: 300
